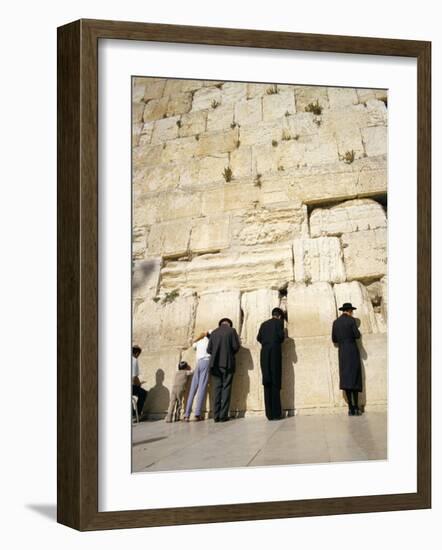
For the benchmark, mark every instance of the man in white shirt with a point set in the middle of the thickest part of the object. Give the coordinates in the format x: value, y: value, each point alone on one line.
x: 136, y: 384
x: 200, y: 377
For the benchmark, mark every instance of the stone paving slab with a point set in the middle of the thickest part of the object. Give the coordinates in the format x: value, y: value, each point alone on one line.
x: 254, y: 441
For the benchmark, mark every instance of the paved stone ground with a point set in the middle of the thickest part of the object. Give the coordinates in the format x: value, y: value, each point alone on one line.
x: 254, y: 441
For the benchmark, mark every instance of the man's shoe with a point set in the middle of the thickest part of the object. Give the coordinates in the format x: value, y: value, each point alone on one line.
x: 351, y: 411
x: 225, y: 419
x: 216, y: 419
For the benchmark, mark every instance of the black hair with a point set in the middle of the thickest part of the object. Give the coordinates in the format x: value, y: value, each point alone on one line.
x: 136, y: 348
x: 225, y: 320
x: 183, y: 365
x: 277, y: 312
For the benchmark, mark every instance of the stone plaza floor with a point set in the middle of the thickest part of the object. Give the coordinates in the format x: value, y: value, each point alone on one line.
x: 254, y: 441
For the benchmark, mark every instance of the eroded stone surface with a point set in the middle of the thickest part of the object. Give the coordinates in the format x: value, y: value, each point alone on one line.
x: 318, y: 259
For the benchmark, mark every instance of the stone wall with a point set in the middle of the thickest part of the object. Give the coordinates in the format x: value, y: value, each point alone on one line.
x: 250, y: 196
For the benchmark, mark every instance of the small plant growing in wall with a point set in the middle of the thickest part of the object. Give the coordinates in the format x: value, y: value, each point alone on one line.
x: 179, y: 123
x: 272, y: 90
x: 286, y: 135
x: 384, y: 99
x: 274, y: 143
x: 227, y: 174
x: 215, y: 104
x: 348, y: 157
x: 258, y: 182
x: 237, y: 143
x: 233, y: 125
x: 156, y: 299
x: 197, y: 137
x: 314, y: 108
x: 170, y: 297
x: 281, y: 168
x: 219, y: 85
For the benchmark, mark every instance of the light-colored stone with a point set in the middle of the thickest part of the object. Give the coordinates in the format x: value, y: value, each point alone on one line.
x: 342, y: 98
x: 305, y: 95
x: 241, y: 161
x: 204, y: 98
x: 155, y: 109
x: 233, y: 92
x: 164, y: 130
x: 232, y: 196
x: 346, y: 217
x: 213, y: 306
x: 248, y: 112
x: 179, y: 104
x: 157, y: 178
x: 210, y: 234
x: 153, y: 89
x: 256, y: 90
x: 375, y: 140
x: 220, y: 118
x: 169, y: 239
x: 311, y: 310
x: 262, y: 134
x: 192, y: 124
x: 318, y: 259
x: 277, y: 105
x: 357, y: 294
x: 137, y: 112
x: 365, y: 254
x: 138, y: 91
x: 256, y: 307
x: 179, y: 150
x: 301, y: 124
x: 213, y: 143
x: 377, y: 112
x: 211, y: 168
x: 265, y: 267
x: 145, y: 277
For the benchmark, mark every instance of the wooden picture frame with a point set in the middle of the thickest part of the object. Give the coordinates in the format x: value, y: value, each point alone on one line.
x: 77, y: 462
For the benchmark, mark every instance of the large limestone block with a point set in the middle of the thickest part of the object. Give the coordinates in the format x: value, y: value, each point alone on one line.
x: 301, y: 124
x: 320, y: 150
x: 366, y: 94
x: 375, y: 139
x: 256, y: 90
x: 179, y: 104
x: 277, y: 105
x: 264, y: 267
x: 349, y: 216
x: 165, y: 129
x: 192, y: 124
x: 211, y: 168
x: 340, y: 181
x: 262, y: 134
x: 213, y: 306
x: 256, y: 307
x: 157, y: 371
x: 157, y: 178
x: 266, y: 226
x: 169, y: 239
x: 311, y: 310
x: 138, y: 91
x: 232, y: 196
x: 377, y: 113
x: 220, y: 118
x: 377, y: 292
x: 205, y: 97
x: 137, y: 112
x: 178, y: 205
x: 247, y: 393
x: 342, y: 98
x: 166, y: 323
x: 146, y: 132
x: 210, y: 234
x: 145, y: 278
x: 153, y: 89
x: 318, y: 259
x: 233, y: 92
x: 248, y: 112
x: 179, y: 150
x: 241, y: 162
x: 139, y: 242
x: 345, y: 128
x: 212, y: 143
x: 305, y: 95
x: 365, y: 253
x: 307, y: 361
x: 176, y: 86
x: 146, y: 155
x: 155, y: 109
x: 357, y: 294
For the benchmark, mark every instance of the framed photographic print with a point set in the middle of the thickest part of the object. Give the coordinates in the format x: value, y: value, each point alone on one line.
x: 243, y: 275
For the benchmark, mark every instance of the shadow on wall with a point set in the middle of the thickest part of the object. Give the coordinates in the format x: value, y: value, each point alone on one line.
x: 158, y: 396
x: 289, y: 359
x: 241, y: 383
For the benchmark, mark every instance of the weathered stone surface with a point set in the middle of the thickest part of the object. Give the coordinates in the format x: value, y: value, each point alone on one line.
x: 248, y: 112
x: 169, y: 238
x: 311, y: 310
x: 318, y: 259
x: 204, y: 98
x: 233, y: 92
x: 163, y: 325
x: 305, y: 95
x: 164, y: 130
x: 210, y: 234
x: 138, y: 91
x: 301, y: 124
x: 257, y: 307
x: 179, y: 104
x: 262, y: 134
x: 155, y: 109
x: 175, y: 86
x: 375, y: 140
x: 213, y: 143
x: 178, y: 150
x: 265, y: 267
x: 377, y: 113
x: 220, y: 118
x: 139, y: 242
x: 157, y: 178
x: 232, y: 196
x: 366, y: 94
x: 212, y: 168
x: 192, y: 124
x: 153, y: 89
x: 247, y: 393
x: 145, y: 277
x: 365, y: 254
x: 346, y: 217
x: 267, y: 226
x: 277, y: 105
x: 376, y: 292
x: 213, y: 306
x: 357, y: 294
x: 256, y: 90
x: 342, y: 98
x: 241, y: 162
x: 137, y: 112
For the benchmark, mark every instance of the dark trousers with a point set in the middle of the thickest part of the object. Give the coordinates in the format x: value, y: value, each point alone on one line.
x: 141, y: 394
x: 272, y: 401
x: 221, y: 390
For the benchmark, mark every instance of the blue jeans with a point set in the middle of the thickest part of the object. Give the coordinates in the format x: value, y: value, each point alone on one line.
x: 200, y: 379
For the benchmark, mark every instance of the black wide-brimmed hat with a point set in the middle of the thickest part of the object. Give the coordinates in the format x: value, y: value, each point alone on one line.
x: 346, y: 307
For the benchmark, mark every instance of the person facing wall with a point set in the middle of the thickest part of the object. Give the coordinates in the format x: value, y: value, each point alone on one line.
x: 200, y: 377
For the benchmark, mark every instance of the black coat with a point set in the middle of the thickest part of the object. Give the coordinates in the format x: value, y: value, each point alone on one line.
x: 271, y: 336
x: 223, y: 344
x: 345, y: 333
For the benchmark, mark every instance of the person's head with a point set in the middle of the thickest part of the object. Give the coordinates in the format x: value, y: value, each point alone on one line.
x: 225, y: 321
x: 136, y: 350
x: 347, y: 309
x: 183, y: 365
x: 277, y: 313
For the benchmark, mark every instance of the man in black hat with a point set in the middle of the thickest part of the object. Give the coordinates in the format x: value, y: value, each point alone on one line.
x: 345, y: 333
x: 136, y: 383
x: 223, y: 345
x: 271, y: 336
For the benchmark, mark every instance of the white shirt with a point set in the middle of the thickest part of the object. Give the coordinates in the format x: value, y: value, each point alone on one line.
x: 135, y: 367
x: 201, y: 348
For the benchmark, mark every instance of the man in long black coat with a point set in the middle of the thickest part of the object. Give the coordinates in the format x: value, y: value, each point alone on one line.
x: 271, y: 336
x: 223, y: 345
x: 345, y: 333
